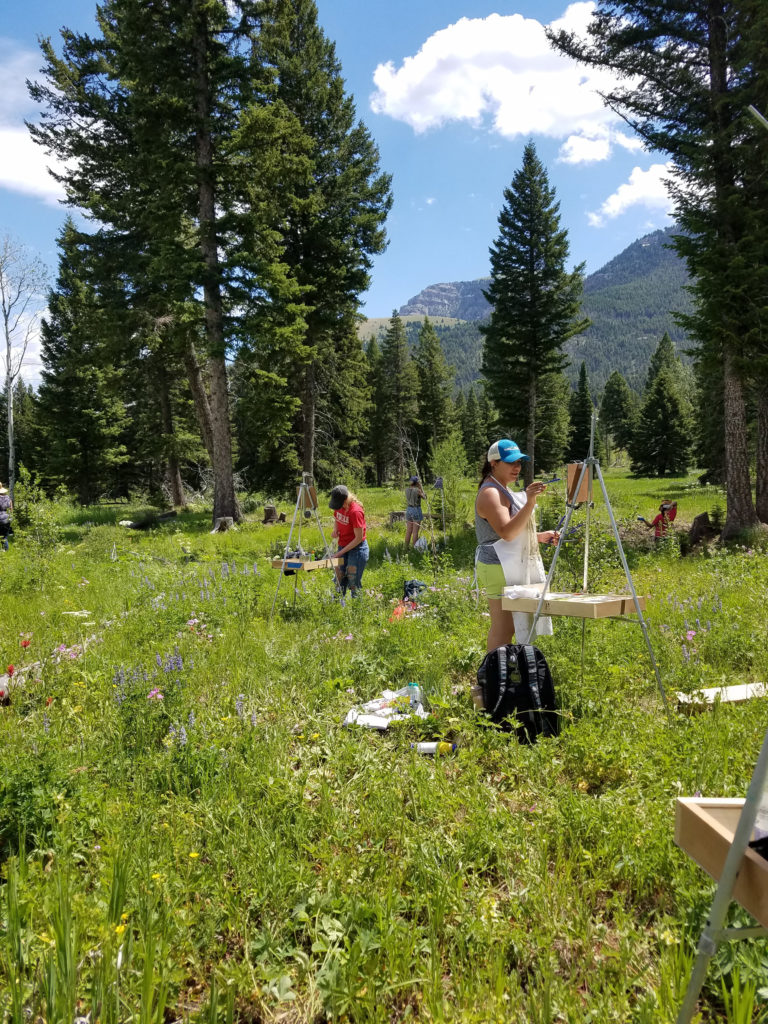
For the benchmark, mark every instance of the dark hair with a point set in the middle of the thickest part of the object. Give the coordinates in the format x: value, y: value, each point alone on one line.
x: 485, y: 471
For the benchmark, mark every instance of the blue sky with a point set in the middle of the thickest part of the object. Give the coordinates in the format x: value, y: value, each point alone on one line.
x: 451, y: 90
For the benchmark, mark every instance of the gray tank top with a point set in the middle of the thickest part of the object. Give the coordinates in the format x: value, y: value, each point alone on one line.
x: 485, y: 533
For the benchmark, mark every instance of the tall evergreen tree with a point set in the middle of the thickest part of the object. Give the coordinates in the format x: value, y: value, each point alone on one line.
x: 476, y: 441
x: 81, y: 414
x: 160, y: 120
x: 339, y: 204
x: 377, y: 442
x: 435, y: 387
x: 400, y: 395
x: 581, y: 409
x: 687, y: 73
x: 535, y: 301
x: 618, y: 410
x: 663, y: 439
x: 554, y: 422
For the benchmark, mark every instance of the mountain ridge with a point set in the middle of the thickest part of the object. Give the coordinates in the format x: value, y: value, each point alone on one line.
x: 630, y: 301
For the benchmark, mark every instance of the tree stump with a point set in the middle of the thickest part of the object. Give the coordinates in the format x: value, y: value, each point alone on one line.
x: 701, y: 530
x: 222, y: 524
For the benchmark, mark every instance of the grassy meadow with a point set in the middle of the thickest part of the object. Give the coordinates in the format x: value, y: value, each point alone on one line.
x: 188, y: 833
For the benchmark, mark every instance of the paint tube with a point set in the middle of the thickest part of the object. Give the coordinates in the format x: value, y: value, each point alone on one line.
x: 434, y: 748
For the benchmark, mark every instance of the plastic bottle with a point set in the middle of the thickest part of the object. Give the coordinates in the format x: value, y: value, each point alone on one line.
x: 440, y: 747
x: 414, y: 695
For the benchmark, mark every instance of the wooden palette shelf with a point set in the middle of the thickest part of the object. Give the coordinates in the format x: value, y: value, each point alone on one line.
x: 305, y: 564
x: 704, y: 829
x: 581, y: 606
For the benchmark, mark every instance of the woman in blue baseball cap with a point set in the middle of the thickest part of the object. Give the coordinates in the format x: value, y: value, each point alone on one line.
x: 507, y: 542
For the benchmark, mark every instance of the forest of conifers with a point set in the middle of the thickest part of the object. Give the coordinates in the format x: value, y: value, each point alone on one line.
x: 202, y: 330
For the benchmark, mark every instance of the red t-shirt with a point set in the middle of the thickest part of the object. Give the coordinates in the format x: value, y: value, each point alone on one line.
x: 346, y: 521
x: 661, y: 521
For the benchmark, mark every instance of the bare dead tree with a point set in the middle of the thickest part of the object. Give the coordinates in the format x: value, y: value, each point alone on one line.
x: 23, y: 280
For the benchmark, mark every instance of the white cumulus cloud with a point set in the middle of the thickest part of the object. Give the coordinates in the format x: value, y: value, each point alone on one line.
x: 23, y: 164
x: 501, y: 69
x: 644, y: 188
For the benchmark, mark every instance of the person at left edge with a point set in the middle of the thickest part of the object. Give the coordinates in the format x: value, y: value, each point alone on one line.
x: 349, y: 528
x: 6, y: 507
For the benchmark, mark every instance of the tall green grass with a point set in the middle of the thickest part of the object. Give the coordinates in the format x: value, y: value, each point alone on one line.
x: 187, y: 832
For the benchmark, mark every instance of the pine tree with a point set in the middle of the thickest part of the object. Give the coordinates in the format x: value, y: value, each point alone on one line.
x: 554, y: 421
x: 339, y: 203
x: 687, y: 72
x: 377, y: 444
x: 473, y: 431
x: 581, y: 410
x: 663, y: 440
x: 81, y: 416
x: 435, y: 386
x: 535, y: 302
x: 399, y: 391
x: 619, y: 410
x: 160, y: 120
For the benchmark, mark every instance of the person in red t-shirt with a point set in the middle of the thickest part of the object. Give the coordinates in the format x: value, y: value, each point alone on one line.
x: 667, y: 514
x: 349, y: 528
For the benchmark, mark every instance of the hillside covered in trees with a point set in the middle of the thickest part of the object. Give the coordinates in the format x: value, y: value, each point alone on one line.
x: 630, y: 301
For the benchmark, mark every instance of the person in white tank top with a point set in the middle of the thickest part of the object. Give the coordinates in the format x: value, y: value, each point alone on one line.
x: 504, y: 514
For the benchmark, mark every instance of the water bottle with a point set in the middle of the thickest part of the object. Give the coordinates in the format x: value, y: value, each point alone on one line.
x: 414, y: 695
x: 440, y: 747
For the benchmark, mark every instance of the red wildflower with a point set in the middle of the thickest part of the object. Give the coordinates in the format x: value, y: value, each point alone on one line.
x: 10, y: 670
x: 48, y: 701
x: 25, y: 643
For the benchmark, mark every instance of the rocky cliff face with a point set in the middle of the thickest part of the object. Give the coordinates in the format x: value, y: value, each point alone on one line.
x: 463, y: 300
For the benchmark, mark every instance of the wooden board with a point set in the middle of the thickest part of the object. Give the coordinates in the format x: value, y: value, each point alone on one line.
x: 572, y: 474
x: 736, y: 694
x: 580, y: 606
x: 308, y: 498
x: 305, y: 565
x: 705, y: 828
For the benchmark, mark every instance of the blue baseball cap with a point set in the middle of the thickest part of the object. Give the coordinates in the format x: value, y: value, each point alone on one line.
x: 505, y: 451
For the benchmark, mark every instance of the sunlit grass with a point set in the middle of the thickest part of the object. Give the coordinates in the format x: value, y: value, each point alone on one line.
x: 187, y: 831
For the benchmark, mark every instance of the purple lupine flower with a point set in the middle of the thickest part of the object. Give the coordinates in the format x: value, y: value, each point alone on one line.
x: 191, y: 720
x: 159, y: 660
x: 239, y: 704
x: 254, y: 719
x: 224, y: 571
x: 172, y: 731
x: 46, y: 722
x: 686, y: 655
x: 182, y: 737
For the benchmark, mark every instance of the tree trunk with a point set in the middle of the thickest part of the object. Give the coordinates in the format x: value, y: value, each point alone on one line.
x: 199, y: 396
x: 224, y: 498
x: 529, y: 465
x: 308, y: 413
x: 172, y: 471
x: 740, y: 512
x: 11, y: 434
x: 761, y: 469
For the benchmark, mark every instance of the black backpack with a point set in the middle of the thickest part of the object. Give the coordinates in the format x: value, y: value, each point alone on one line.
x: 515, y: 689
